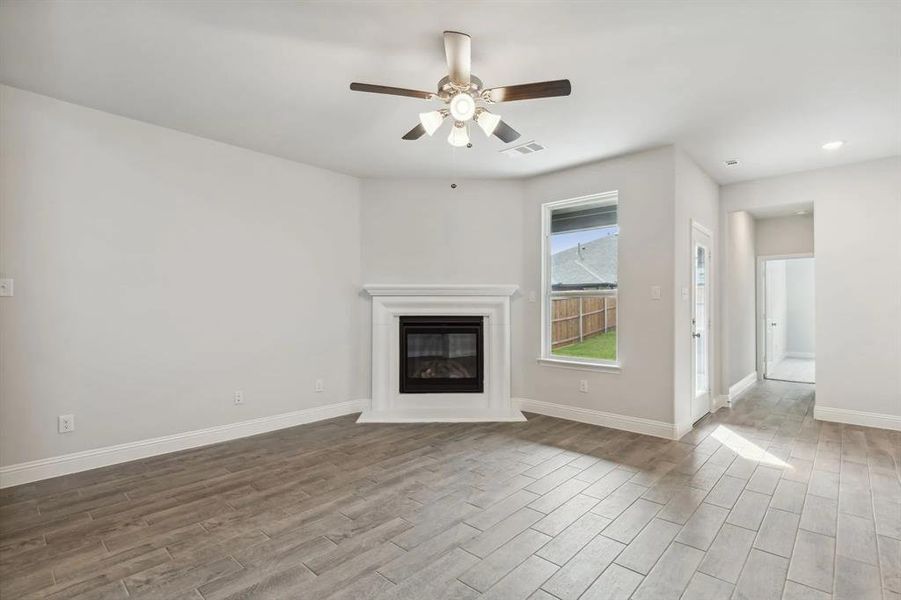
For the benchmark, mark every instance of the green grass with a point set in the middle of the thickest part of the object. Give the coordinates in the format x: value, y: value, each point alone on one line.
x: 601, y: 346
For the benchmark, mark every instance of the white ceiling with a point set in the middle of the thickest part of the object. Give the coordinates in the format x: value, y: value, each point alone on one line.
x: 765, y: 82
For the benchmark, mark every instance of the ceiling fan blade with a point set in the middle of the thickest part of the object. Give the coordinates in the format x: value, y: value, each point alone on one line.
x: 393, y: 91
x: 458, y: 49
x: 506, y: 133
x: 529, y: 91
x: 415, y: 133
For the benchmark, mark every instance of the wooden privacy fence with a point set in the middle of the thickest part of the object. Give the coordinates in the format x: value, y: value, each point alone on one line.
x: 578, y: 315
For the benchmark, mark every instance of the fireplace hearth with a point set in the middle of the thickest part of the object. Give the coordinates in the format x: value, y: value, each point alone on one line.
x: 441, y: 354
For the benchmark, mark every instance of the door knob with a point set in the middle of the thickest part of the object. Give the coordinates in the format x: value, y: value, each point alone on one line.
x: 697, y: 335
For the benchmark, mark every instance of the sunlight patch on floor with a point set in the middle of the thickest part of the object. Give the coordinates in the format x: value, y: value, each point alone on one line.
x: 746, y: 448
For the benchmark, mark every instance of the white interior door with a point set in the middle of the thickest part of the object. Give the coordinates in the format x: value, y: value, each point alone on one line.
x: 701, y: 278
x: 775, y: 316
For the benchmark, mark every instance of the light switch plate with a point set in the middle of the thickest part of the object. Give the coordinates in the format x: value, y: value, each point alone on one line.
x: 655, y: 292
x: 685, y: 293
x: 6, y: 287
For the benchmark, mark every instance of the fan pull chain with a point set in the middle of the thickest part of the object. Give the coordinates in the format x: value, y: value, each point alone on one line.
x: 454, y: 165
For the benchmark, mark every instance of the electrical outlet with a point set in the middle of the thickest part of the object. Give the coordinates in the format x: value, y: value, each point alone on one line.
x: 583, y: 386
x: 533, y: 297
x: 319, y: 386
x: 66, y: 423
x: 239, y: 397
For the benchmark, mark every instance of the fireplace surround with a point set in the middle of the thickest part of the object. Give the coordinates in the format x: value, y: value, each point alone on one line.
x: 427, y: 344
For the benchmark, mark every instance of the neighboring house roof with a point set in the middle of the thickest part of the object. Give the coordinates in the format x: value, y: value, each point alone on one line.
x: 590, y: 265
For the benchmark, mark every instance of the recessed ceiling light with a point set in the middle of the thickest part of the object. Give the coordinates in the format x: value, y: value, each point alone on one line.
x: 833, y: 145
x: 732, y: 162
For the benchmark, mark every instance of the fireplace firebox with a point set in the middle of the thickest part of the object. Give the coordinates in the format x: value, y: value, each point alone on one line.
x: 441, y: 355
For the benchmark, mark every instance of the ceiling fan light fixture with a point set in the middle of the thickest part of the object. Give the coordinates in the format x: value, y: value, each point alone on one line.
x: 431, y: 121
x: 487, y: 121
x: 462, y: 106
x: 463, y: 96
x: 458, y: 137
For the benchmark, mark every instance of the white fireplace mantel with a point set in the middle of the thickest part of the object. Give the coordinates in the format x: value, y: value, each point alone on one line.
x: 389, y: 303
x: 407, y: 289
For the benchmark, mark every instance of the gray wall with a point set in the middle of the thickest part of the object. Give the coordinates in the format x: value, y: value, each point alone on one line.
x: 490, y: 232
x: 800, y: 307
x: 646, y: 185
x: 785, y: 235
x: 158, y: 272
x: 738, y: 288
x: 696, y: 199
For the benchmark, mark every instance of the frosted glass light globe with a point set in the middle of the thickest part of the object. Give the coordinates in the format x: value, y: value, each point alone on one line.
x: 458, y: 137
x: 431, y: 121
x: 487, y: 121
x: 462, y: 107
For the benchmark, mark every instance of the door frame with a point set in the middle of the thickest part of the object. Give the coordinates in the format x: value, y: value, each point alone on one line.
x: 711, y: 314
x: 760, y: 308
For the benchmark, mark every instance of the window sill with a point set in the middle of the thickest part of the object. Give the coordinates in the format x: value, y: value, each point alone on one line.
x: 580, y: 365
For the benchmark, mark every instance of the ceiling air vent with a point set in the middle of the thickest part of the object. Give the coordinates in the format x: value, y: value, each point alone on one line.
x: 732, y: 162
x: 528, y: 148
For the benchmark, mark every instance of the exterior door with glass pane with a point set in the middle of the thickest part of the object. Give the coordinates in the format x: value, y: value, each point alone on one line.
x: 701, y: 278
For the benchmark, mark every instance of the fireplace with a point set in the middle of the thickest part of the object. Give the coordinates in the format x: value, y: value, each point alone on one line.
x: 441, y: 354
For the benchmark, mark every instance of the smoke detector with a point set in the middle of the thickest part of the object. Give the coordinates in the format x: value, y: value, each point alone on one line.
x: 530, y: 147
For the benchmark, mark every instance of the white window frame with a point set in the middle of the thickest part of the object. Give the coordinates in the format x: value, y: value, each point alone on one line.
x: 571, y: 362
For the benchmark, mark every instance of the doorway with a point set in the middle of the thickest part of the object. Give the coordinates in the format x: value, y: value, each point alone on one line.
x: 787, y: 319
x: 701, y: 321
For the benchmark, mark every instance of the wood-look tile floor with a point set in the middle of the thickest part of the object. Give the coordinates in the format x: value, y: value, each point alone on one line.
x: 798, y: 370
x: 759, y: 501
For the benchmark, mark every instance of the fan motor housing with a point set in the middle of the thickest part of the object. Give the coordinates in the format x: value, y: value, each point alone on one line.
x: 447, y: 88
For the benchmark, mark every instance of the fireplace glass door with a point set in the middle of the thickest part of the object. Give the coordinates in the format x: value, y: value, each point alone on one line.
x: 441, y: 355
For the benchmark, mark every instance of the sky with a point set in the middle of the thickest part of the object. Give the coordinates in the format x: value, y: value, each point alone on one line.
x: 563, y: 241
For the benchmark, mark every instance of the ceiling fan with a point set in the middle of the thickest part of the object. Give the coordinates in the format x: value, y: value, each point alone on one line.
x: 464, y: 95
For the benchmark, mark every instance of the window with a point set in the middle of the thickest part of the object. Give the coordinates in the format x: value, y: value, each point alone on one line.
x: 579, y: 277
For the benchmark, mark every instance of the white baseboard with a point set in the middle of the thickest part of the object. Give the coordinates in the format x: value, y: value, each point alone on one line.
x: 719, y: 401
x: 800, y: 355
x: 66, y: 464
x: 681, y: 430
x: 597, y: 417
x: 742, y: 386
x: 856, y: 417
